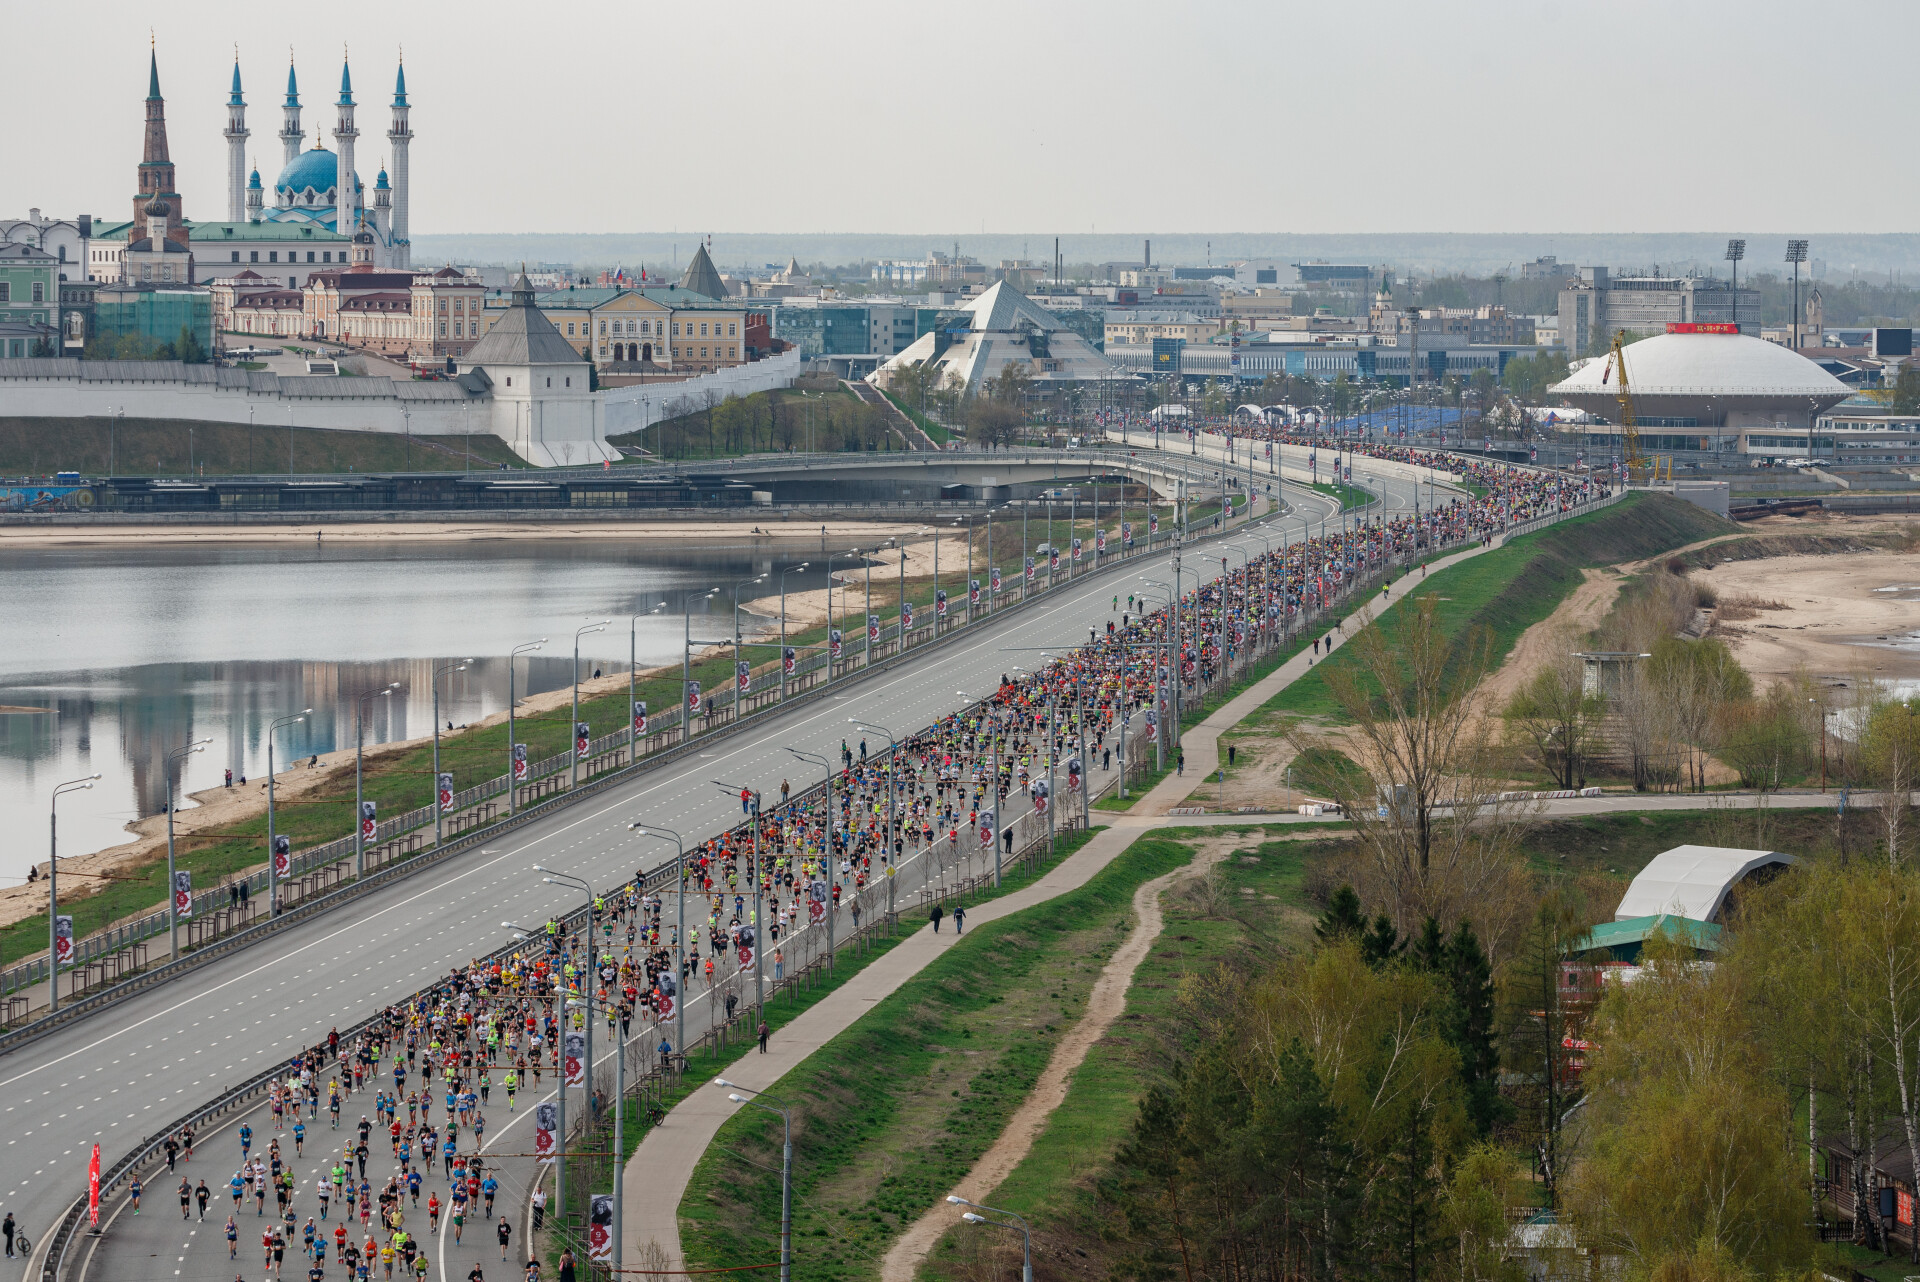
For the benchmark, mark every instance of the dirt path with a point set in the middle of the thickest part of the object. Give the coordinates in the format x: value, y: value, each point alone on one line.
x: 1580, y: 613
x: 1106, y: 1003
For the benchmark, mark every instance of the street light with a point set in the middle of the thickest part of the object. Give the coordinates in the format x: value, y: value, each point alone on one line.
x: 53, y: 883
x: 360, y: 826
x: 553, y: 878
x: 783, y: 626
x: 173, y: 930
x: 513, y: 762
x: 633, y: 662
x: 893, y: 795
x: 1796, y: 254
x: 1736, y: 250
x: 273, y: 852
x: 752, y: 806
x: 577, y: 750
x: 826, y: 767
x: 440, y: 785
x: 1026, y: 1231
x: 680, y: 930
x: 786, y: 1169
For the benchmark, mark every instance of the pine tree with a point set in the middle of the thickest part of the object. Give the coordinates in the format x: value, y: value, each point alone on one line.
x: 1342, y: 918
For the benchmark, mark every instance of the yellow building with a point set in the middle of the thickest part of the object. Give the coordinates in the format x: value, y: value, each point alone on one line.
x: 664, y: 328
x: 1138, y: 328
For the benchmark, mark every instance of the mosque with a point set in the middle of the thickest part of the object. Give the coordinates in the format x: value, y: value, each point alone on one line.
x: 318, y: 213
x: 309, y: 187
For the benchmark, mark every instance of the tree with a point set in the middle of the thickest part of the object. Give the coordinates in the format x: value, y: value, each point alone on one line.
x: 1535, y: 1027
x: 1890, y: 751
x: 1906, y: 391
x: 1557, y: 715
x: 1421, y: 798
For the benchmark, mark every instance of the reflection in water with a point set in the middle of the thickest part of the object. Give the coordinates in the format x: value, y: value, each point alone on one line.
x: 124, y: 653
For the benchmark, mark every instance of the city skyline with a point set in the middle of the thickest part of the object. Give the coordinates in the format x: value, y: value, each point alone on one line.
x: 1259, y: 119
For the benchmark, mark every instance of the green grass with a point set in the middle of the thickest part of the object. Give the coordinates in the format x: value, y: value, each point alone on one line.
x: 1350, y: 496
x: 894, y: 1110
x: 782, y: 1011
x: 1510, y: 588
x: 940, y: 434
x: 162, y: 447
x: 1260, y: 914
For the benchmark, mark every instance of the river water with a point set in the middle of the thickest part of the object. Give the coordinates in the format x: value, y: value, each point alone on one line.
x: 111, y: 656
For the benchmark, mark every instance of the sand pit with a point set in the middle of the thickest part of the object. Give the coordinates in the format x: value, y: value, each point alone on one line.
x: 1840, y: 615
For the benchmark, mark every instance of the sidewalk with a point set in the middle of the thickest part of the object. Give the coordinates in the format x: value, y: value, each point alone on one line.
x: 663, y: 1164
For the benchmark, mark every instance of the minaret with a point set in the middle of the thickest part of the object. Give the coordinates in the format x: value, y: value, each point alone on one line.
x: 398, y: 137
x: 382, y: 219
x: 346, y: 199
x: 156, y: 168
x: 236, y: 150
x: 255, y: 212
x: 290, y: 135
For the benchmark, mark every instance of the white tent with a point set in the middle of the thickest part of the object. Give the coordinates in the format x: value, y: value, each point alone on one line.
x: 1170, y: 411
x: 1692, y: 881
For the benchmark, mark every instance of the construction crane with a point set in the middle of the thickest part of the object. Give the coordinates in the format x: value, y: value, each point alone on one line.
x: 1629, y: 430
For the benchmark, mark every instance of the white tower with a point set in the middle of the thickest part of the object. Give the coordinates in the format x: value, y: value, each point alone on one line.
x: 290, y: 135
x: 255, y: 212
x: 382, y: 218
x: 346, y: 199
x: 236, y: 151
x: 398, y: 137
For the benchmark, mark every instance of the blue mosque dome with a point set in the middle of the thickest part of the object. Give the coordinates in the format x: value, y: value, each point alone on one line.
x: 316, y: 169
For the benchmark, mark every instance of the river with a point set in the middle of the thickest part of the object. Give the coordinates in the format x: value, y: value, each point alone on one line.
x: 112, y: 656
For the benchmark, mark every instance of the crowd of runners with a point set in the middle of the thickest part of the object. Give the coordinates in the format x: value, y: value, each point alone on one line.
x: 424, y: 1075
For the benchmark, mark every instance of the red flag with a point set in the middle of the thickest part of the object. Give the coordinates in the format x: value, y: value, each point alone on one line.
x: 93, y: 1188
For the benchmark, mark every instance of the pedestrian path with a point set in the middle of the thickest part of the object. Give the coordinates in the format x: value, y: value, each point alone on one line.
x: 660, y: 1169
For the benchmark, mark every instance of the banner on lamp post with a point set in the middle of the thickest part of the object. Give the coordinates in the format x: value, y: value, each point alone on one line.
x: 1126, y: 534
x: 834, y: 643
x: 546, y: 1121
x: 742, y: 676
x: 693, y: 698
x: 906, y: 617
x: 183, y: 894
x: 446, y: 793
x: 639, y: 716
x: 282, y: 855
x: 873, y: 628
x: 600, y: 1229
x: 582, y: 739
x: 574, y: 1058
x: 369, y: 819
x: 994, y: 579
x: 63, y: 939
x: 1029, y: 568
x: 520, y: 767
x: 986, y: 827
x: 940, y: 603
x: 973, y: 592
x: 789, y: 659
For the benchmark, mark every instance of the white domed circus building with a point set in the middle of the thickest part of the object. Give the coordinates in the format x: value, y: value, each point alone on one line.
x: 1699, y: 387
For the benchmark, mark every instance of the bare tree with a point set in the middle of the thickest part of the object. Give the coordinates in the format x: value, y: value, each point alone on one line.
x: 1557, y: 714
x: 1424, y: 798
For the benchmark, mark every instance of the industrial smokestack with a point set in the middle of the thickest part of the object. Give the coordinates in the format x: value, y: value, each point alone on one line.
x: 1146, y: 254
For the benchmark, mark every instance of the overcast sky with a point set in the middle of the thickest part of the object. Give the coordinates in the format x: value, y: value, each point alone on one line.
x: 1027, y: 116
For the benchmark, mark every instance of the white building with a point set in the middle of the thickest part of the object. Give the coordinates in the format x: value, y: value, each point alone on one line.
x: 543, y: 403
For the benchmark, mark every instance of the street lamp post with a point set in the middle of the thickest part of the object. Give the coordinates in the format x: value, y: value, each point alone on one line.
x: 53, y: 886
x: 754, y: 871
x: 832, y: 904
x: 680, y: 975
x: 440, y: 804
x: 893, y: 799
x: 993, y: 776
x: 633, y: 663
x: 173, y: 925
x: 1026, y: 1232
x: 686, y: 665
x: 273, y: 853
x: 553, y: 878
x: 783, y: 626
x: 579, y: 632
x: 359, y: 775
x: 513, y: 784
x: 786, y: 1171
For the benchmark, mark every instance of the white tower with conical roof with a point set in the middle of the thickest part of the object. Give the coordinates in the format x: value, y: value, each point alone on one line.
x: 290, y: 135
x: 346, y: 202
x: 401, y: 251
x: 236, y: 150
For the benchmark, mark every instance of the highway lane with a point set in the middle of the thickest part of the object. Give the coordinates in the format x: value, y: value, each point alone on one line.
x: 117, y: 1075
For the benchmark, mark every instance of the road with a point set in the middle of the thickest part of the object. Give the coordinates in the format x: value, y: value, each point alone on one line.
x: 119, y: 1074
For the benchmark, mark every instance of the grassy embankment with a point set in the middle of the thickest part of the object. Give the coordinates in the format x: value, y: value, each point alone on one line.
x: 1510, y: 588
x: 163, y: 447
x: 939, y: 433
x: 894, y: 1110
x: 783, y: 1010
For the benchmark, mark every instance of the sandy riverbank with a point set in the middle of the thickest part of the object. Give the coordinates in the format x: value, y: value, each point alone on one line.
x: 1837, y: 616
x: 841, y: 532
